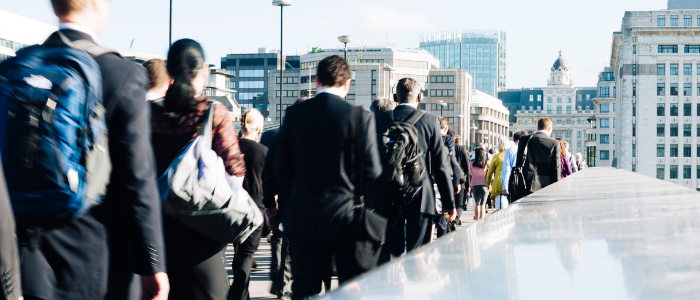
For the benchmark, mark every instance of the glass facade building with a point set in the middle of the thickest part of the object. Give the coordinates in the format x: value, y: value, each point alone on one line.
x: 482, y: 53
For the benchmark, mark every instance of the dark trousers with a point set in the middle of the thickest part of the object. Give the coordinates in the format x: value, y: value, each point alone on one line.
x: 65, y: 262
x: 407, y: 230
x: 243, y: 264
x: 311, y: 261
x: 280, y: 269
x: 460, y: 200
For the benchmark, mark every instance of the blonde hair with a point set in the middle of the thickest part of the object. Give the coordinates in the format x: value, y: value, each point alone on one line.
x: 64, y: 7
x: 252, y: 118
x: 503, y: 144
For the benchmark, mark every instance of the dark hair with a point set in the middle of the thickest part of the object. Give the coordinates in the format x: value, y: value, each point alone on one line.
x: 157, y: 73
x: 300, y: 100
x: 458, y: 140
x: 407, y: 89
x: 333, y: 71
x: 185, y: 59
x: 544, y: 123
x: 518, y: 135
x: 480, y: 158
x: 451, y: 133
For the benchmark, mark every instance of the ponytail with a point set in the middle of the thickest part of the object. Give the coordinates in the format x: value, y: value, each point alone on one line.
x: 185, y: 59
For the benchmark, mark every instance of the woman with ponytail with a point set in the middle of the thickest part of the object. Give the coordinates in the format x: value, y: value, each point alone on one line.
x: 194, y: 262
x: 254, y: 154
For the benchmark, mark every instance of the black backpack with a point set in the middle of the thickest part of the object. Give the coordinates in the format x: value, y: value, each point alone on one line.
x: 400, y: 152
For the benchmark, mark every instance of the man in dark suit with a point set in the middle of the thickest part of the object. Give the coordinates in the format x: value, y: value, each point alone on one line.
x: 124, y: 233
x: 316, y: 147
x: 543, y: 164
x: 419, y: 213
x: 10, y: 287
x: 465, y: 178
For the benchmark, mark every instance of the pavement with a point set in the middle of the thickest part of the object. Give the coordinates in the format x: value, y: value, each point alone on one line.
x: 260, y: 277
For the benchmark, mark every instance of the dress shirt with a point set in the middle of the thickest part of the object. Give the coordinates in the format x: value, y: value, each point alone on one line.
x: 414, y: 105
x: 334, y: 91
x: 509, y: 159
x: 77, y: 27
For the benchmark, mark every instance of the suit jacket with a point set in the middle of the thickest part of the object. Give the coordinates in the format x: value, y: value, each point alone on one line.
x: 454, y: 164
x: 271, y: 184
x: 131, y: 208
x: 543, y: 164
x: 463, y: 160
x: 10, y: 288
x: 316, y: 150
x: 433, y: 150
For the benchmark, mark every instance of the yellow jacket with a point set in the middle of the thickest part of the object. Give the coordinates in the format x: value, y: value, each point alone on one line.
x: 495, y: 171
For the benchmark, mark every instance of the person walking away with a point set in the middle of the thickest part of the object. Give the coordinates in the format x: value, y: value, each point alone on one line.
x: 380, y: 105
x: 580, y: 163
x: 542, y: 165
x: 464, y: 181
x: 493, y: 177
x: 316, y: 146
x: 443, y: 226
x: 254, y: 156
x: 94, y: 255
x: 158, y: 78
x: 194, y: 261
x: 565, y: 165
x: 478, y: 183
x: 411, y: 215
x: 508, y: 164
x: 570, y: 158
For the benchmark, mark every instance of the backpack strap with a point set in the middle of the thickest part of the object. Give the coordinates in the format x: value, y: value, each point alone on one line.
x: 415, y: 116
x: 522, y: 165
x: 88, y: 46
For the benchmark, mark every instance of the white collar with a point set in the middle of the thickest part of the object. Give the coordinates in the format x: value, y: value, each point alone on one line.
x: 153, y: 96
x: 77, y: 27
x: 333, y: 91
x: 414, y: 105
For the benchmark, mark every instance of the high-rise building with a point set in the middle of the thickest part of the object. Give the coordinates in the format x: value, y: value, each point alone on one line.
x: 656, y: 60
x: 567, y: 106
x: 482, y: 53
x: 251, y: 77
x: 600, y: 137
x: 17, y: 32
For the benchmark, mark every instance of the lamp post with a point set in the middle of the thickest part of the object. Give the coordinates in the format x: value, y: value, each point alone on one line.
x: 442, y: 104
x: 459, y: 124
x: 345, y: 39
x: 170, y: 26
x: 389, y: 69
x: 281, y: 4
x: 473, y: 139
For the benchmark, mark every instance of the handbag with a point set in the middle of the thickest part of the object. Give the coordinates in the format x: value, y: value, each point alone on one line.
x: 197, y: 191
x: 517, y: 178
x: 368, y: 228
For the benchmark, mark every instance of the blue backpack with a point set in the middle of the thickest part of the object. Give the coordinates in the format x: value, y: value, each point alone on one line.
x: 53, y: 134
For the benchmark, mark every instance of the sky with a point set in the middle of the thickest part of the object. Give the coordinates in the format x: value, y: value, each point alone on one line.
x: 536, y: 29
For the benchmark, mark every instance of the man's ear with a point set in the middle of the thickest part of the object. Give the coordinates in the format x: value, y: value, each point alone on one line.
x: 396, y: 98
x: 347, y: 84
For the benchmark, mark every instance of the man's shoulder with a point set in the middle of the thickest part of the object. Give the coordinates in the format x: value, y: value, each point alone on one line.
x: 114, y: 66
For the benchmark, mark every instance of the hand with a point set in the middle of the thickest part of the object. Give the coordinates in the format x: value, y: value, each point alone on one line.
x: 469, y: 190
x: 452, y: 212
x: 271, y: 212
x: 458, y: 188
x: 155, y: 287
x: 489, y: 190
x: 505, y: 193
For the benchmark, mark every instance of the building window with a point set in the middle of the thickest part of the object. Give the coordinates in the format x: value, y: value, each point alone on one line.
x: 605, y: 139
x: 686, y: 172
x: 251, y: 96
x: 532, y: 108
x: 604, y: 108
x: 532, y: 98
x: 660, y: 20
x: 634, y: 89
x: 251, y: 73
x: 604, y: 91
x: 539, y: 107
x: 568, y: 121
x: 660, y: 171
x: 549, y: 99
x: 634, y: 69
x: 687, y: 69
x: 634, y: 150
x: 660, y: 149
x: 568, y: 99
x: 539, y: 97
x: 660, y: 69
x: 288, y: 94
x: 692, y: 48
x: 668, y: 48
x: 604, y: 155
x: 687, y: 110
x: 442, y: 79
x: 686, y: 130
x: 674, y: 69
x: 660, y: 109
x: 686, y: 151
x: 687, y: 89
x: 568, y: 109
x: 687, y: 20
x: 578, y: 133
x: 549, y: 109
x: 634, y: 129
x: 255, y: 84
x: 674, y: 150
x: 287, y: 80
x: 674, y: 89
x: 451, y: 120
x: 674, y: 129
x: 558, y: 99
x: 661, y: 89
x: 674, y: 109
x: 558, y: 121
x: 634, y: 109
x: 579, y: 143
x: 558, y: 109
x: 660, y: 129
x: 674, y: 20
x: 588, y: 97
x: 442, y: 93
x: 674, y: 172
x: 634, y: 49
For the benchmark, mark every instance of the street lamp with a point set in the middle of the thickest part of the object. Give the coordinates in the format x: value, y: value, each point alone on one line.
x: 281, y: 4
x: 345, y: 39
x: 389, y: 69
x: 442, y: 104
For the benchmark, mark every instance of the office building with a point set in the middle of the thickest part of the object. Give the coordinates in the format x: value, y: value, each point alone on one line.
x: 656, y: 60
x: 251, y: 76
x: 490, y: 120
x: 17, y: 32
x: 600, y: 137
x: 482, y: 53
x: 683, y: 4
x: 567, y: 106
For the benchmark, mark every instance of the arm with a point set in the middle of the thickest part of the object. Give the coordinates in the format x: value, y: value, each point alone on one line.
x: 373, y: 167
x: 133, y: 176
x: 506, y: 169
x: 225, y: 142
x: 556, y: 163
x: 269, y: 184
x: 10, y: 289
x: 453, y: 161
x: 489, y: 174
x: 465, y: 165
x: 284, y: 160
x: 441, y: 167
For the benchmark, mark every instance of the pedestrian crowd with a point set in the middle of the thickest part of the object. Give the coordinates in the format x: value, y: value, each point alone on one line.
x: 125, y: 182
